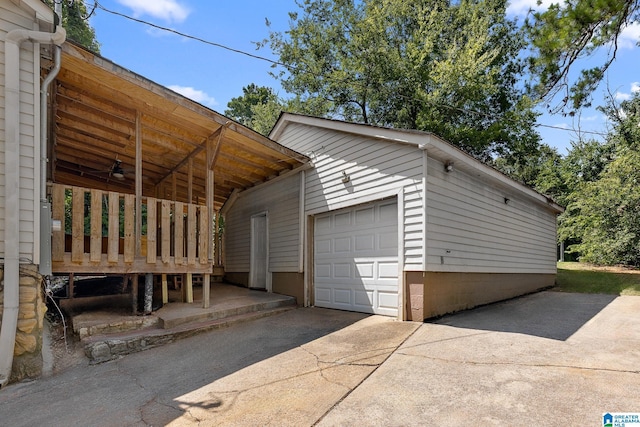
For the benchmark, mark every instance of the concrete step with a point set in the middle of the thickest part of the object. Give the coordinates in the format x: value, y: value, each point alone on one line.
x: 174, y: 318
x: 101, y: 348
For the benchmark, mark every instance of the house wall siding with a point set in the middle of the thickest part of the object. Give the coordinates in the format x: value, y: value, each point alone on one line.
x: 376, y: 169
x: 281, y: 202
x: 470, y: 228
x: 12, y: 17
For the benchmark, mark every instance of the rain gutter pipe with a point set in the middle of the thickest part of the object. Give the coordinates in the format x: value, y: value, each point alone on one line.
x: 12, y: 43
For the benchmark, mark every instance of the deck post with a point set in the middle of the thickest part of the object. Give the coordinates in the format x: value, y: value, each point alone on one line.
x: 189, y: 288
x: 134, y: 292
x: 148, y: 293
x: 165, y: 290
x: 70, y: 287
x: 206, y: 290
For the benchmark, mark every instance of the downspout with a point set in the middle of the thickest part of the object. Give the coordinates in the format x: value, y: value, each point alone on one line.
x: 12, y: 43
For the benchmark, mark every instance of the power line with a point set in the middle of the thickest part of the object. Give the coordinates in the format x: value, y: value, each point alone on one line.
x: 171, y: 30
x: 592, y: 132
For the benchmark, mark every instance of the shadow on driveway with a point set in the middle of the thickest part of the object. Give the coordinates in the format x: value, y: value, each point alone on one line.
x: 548, y: 314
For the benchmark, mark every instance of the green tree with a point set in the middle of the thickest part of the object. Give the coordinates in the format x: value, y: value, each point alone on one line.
x: 75, y: 19
x: 603, y: 211
x: 240, y: 108
x: 568, y: 32
x: 450, y: 67
x: 264, y: 116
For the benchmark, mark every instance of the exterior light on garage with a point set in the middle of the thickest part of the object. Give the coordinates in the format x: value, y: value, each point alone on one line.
x: 448, y: 166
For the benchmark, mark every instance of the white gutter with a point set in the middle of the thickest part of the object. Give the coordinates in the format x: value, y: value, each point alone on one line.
x: 12, y: 43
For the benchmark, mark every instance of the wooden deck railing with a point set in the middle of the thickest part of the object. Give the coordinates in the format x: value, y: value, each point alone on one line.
x: 98, y: 234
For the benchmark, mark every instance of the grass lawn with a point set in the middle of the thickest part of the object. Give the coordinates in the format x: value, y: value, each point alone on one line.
x: 588, y: 279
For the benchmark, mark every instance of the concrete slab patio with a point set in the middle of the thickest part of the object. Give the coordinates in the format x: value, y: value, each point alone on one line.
x: 546, y: 359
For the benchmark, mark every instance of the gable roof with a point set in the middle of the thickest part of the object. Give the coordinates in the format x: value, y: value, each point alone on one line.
x: 437, y: 148
x: 102, y: 108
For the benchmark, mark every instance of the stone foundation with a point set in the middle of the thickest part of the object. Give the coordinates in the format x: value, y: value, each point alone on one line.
x: 27, y: 353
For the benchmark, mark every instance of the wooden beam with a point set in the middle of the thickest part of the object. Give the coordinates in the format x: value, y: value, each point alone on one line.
x: 138, y: 182
x: 96, y: 226
x: 57, y: 240
x: 193, y: 153
x: 212, y: 154
x: 114, y: 227
x: 129, y: 228
x: 77, y: 225
x: 152, y: 227
x: 190, y: 181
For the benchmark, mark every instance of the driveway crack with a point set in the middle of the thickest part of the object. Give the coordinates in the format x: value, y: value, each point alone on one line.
x: 529, y: 365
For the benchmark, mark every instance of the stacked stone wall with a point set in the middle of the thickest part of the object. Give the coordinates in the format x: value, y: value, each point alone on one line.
x: 27, y: 353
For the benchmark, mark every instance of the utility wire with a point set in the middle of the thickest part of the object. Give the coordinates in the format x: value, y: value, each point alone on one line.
x: 170, y: 30
x: 97, y: 5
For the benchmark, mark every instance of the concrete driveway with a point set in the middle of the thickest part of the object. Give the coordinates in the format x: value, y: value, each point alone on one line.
x: 545, y: 359
x: 548, y: 359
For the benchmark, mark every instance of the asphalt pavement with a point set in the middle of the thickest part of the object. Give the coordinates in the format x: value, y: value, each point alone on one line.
x: 546, y: 359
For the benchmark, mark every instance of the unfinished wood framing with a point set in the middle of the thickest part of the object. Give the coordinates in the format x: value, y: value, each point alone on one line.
x: 113, y: 253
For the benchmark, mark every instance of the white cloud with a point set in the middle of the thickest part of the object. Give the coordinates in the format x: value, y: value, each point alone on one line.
x: 167, y: 10
x: 521, y: 7
x: 622, y: 96
x: 197, y: 95
x: 629, y: 37
x: 619, y: 96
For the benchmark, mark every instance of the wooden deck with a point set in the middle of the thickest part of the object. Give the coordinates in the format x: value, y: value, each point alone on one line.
x: 113, y: 233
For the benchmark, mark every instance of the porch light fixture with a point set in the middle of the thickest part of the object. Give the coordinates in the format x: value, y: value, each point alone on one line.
x: 448, y: 166
x: 345, y: 178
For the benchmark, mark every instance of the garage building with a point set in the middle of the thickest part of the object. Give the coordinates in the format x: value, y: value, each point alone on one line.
x: 387, y: 221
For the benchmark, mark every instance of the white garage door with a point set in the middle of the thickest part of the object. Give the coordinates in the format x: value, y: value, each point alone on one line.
x: 356, y: 258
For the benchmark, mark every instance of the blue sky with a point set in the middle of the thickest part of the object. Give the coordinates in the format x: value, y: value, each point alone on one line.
x: 212, y: 75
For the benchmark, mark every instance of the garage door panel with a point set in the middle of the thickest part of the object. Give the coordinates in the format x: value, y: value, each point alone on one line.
x: 323, y: 223
x: 388, y: 241
x: 365, y: 270
x: 365, y: 216
x: 342, y: 271
x: 323, y: 296
x: 388, y: 212
x: 342, y: 244
x: 342, y: 219
x: 323, y: 246
x: 364, y: 298
x: 358, y: 269
x: 388, y: 270
x: 365, y: 242
x: 342, y: 296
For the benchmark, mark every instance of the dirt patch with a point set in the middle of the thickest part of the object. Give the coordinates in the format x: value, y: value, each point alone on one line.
x: 61, y: 348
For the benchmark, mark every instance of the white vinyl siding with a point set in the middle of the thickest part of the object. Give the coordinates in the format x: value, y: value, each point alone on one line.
x: 376, y: 169
x: 280, y: 200
x: 12, y: 17
x: 472, y: 229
